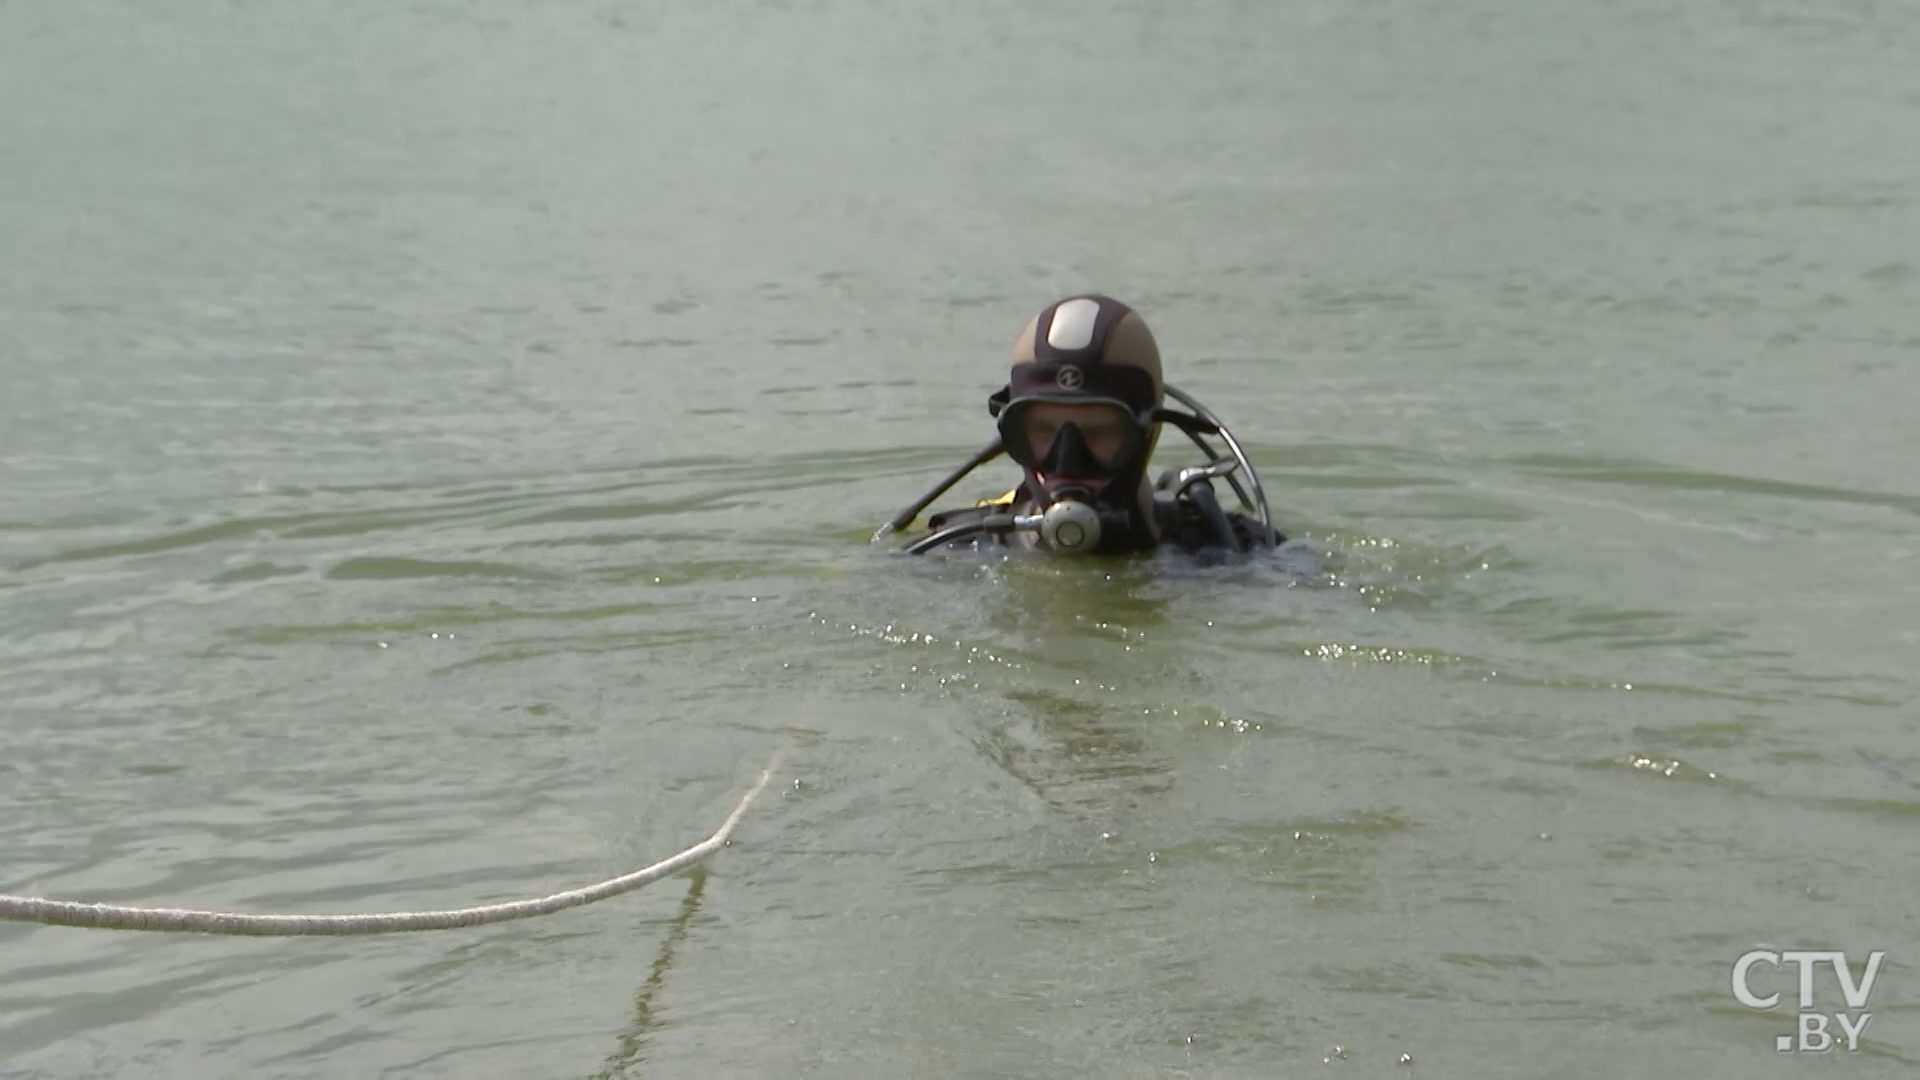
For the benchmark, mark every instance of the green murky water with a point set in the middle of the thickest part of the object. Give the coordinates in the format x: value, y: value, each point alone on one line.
x: 438, y: 445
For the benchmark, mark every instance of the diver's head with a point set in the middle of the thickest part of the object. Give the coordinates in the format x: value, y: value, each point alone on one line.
x: 1077, y: 412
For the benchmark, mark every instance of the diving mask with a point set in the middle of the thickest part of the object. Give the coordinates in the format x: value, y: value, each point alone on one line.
x: 1081, y: 440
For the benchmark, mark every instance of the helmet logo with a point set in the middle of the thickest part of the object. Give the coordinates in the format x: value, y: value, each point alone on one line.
x: 1069, y: 378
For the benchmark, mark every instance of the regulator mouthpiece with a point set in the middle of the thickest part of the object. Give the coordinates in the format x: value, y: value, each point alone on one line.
x: 1071, y: 527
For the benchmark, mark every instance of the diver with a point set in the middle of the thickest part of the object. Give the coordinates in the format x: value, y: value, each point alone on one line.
x: 1081, y: 414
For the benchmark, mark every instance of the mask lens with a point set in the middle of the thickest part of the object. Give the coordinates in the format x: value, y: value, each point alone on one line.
x: 1110, y: 433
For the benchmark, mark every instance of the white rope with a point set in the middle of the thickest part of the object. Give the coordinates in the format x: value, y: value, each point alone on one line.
x: 109, y: 917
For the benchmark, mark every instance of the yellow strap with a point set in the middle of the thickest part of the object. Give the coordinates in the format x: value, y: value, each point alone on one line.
x: 1004, y: 500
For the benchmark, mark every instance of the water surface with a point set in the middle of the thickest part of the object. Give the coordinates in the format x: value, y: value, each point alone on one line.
x: 439, y: 444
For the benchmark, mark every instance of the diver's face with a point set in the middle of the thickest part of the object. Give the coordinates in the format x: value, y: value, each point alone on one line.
x: 1105, y: 429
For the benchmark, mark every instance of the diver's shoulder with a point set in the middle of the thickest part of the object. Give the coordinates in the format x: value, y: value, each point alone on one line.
x: 960, y: 515
x: 964, y: 527
x: 1185, y: 527
x: 1248, y: 529
x: 1292, y: 553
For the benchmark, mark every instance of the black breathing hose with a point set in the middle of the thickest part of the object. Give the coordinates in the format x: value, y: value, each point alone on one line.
x: 1216, y: 518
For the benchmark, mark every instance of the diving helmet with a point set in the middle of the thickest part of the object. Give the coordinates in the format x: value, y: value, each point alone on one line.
x: 1078, y: 412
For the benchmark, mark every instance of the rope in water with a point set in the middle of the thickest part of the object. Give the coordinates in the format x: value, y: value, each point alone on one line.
x: 109, y: 917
